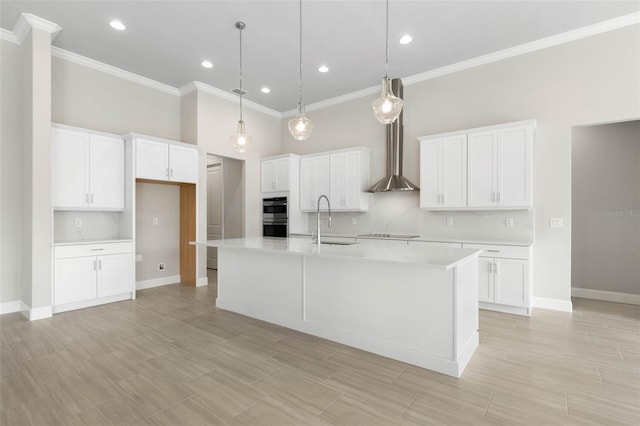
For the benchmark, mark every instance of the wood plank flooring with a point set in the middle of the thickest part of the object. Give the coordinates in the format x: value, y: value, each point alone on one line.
x: 171, y: 358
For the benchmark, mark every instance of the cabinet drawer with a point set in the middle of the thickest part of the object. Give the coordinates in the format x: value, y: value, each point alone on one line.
x: 80, y: 250
x: 492, y: 250
x: 434, y: 244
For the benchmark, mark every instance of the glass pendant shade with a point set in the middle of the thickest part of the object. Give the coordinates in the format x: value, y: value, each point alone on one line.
x: 240, y: 140
x: 300, y: 127
x: 388, y: 106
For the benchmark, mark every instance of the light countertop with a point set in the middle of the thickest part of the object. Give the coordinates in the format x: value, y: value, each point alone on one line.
x: 80, y: 242
x: 421, y: 238
x: 435, y: 257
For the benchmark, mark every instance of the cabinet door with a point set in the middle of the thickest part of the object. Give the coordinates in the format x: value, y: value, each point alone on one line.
x: 353, y: 182
x: 485, y: 279
x: 70, y: 169
x: 183, y: 164
x: 511, y: 282
x: 430, y: 164
x: 454, y: 171
x: 268, y: 175
x: 152, y: 160
x: 307, y: 184
x: 482, y: 168
x: 115, y: 274
x: 106, y: 172
x: 338, y: 181
x: 75, y: 280
x: 514, y: 167
x: 282, y: 174
x: 322, y: 179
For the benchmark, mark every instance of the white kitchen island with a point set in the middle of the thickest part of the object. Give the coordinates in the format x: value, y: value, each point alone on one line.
x: 417, y: 305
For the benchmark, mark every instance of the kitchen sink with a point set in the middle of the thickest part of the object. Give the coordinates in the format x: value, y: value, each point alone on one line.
x: 339, y: 243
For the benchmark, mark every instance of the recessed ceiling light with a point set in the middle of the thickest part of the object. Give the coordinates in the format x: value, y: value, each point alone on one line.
x: 265, y: 90
x: 406, y: 39
x: 117, y: 25
x: 207, y: 64
x: 323, y: 68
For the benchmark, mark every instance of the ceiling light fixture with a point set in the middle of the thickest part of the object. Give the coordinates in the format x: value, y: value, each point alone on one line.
x: 388, y: 106
x: 117, y: 25
x: 207, y: 64
x: 323, y: 68
x: 240, y: 140
x: 300, y: 126
x: 405, y: 39
x: 265, y: 90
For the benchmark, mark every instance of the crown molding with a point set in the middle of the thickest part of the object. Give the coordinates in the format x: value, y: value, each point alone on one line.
x: 206, y: 88
x: 7, y: 35
x: 109, y: 69
x: 26, y: 21
x: 577, y: 34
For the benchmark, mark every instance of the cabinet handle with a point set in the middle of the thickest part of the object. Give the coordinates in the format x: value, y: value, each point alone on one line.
x: 493, y: 196
x: 495, y: 268
x: 100, y: 265
x: 98, y: 249
x: 86, y: 197
x: 92, y: 198
x: 490, y: 267
x: 493, y: 251
x: 95, y: 267
x: 171, y: 172
x: 498, y: 196
x: 167, y: 172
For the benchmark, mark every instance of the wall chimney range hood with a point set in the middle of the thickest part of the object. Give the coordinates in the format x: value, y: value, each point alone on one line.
x: 394, y: 181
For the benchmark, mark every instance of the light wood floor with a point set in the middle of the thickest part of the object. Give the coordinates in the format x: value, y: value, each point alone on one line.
x: 172, y: 358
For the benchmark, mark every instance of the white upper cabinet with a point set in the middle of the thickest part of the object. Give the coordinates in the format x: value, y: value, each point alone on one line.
x: 166, y: 161
x: 87, y: 170
x: 443, y: 176
x: 500, y: 163
x: 275, y: 174
x: 478, y: 169
x: 314, y: 181
x: 342, y: 176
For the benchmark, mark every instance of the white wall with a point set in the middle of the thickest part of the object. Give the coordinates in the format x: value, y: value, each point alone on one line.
x: 592, y: 80
x: 605, y: 200
x: 216, y: 121
x: 10, y: 168
x: 161, y: 242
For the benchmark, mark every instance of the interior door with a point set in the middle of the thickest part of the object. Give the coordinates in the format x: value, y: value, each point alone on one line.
x: 215, y: 216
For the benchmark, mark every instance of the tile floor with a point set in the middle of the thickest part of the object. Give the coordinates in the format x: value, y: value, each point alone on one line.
x: 172, y: 358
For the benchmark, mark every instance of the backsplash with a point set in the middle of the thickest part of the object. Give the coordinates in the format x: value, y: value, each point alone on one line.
x: 93, y: 226
x: 398, y: 212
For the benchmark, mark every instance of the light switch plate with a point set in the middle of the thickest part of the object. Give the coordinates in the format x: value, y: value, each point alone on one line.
x: 556, y: 222
x: 508, y: 222
x: 353, y: 220
x: 155, y: 220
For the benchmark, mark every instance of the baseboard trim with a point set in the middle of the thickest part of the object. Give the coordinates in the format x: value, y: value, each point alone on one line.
x: 34, y: 314
x: 157, y: 282
x: 553, y: 304
x: 10, y: 307
x: 515, y: 310
x: 607, y: 296
x: 91, y: 302
x: 202, y: 281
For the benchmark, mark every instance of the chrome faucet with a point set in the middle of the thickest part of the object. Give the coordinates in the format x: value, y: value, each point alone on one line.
x: 329, y: 207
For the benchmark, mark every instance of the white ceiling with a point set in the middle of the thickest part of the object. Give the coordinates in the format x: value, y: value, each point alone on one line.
x: 167, y: 40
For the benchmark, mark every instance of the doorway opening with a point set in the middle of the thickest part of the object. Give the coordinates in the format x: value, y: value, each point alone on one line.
x: 605, y: 212
x: 225, y: 202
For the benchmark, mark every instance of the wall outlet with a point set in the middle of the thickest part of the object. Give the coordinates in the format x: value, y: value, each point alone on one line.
x: 508, y: 222
x: 155, y: 220
x: 449, y: 221
x: 353, y: 220
x: 138, y: 258
x: 556, y: 222
x: 160, y: 266
x: 78, y: 223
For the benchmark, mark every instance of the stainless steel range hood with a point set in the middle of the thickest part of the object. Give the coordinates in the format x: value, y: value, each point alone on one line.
x: 394, y: 181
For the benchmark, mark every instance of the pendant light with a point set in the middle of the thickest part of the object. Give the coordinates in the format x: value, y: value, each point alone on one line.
x: 388, y: 106
x: 240, y: 140
x: 300, y: 126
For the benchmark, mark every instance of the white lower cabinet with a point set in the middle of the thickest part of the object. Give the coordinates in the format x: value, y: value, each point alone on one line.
x: 504, y: 278
x: 92, y: 274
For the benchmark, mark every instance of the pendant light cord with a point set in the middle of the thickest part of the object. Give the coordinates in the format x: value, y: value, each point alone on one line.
x: 240, y: 73
x: 300, y: 100
x: 387, y: 45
